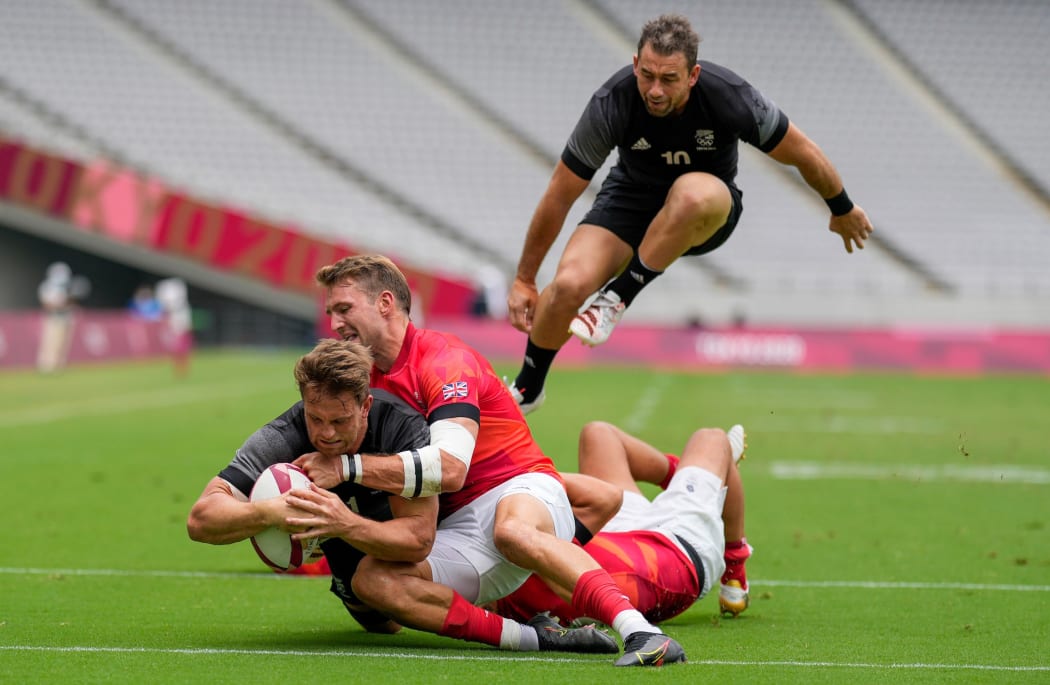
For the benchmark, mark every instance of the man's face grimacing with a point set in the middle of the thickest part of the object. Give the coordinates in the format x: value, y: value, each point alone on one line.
x: 352, y: 314
x: 664, y: 80
x: 336, y: 424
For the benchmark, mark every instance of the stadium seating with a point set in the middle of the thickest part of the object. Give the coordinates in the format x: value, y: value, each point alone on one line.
x: 988, y: 58
x: 427, y: 131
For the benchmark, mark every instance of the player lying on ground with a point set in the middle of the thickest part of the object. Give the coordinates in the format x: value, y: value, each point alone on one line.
x: 664, y: 554
x: 504, y: 510
x: 340, y: 414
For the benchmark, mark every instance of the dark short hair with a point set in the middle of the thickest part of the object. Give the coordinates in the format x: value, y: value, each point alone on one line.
x: 335, y: 367
x: 372, y: 274
x: 668, y: 34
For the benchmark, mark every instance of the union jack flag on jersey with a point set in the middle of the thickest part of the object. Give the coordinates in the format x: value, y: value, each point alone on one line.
x: 457, y: 389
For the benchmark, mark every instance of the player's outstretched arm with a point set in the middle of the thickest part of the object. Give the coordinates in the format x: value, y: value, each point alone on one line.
x: 848, y: 220
x: 223, y: 515
x: 547, y: 221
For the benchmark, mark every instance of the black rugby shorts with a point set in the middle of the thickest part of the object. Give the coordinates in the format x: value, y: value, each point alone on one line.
x: 627, y: 210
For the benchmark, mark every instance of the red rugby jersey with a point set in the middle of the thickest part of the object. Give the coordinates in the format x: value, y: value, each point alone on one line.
x: 443, y: 377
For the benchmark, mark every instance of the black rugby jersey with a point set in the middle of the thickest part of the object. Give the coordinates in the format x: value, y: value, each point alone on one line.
x: 722, y: 109
x: 393, y: 427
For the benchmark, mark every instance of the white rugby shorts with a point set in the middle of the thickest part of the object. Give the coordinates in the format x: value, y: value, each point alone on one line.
x: 464, y: 556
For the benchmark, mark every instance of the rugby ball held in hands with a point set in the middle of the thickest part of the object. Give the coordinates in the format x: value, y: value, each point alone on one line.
x: 274, y: 546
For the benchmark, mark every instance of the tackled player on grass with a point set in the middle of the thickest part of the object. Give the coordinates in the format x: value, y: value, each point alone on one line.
x: 504, y: 510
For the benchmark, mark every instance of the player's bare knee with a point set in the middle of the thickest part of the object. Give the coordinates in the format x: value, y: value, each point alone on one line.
x: 568, y: 290
x: 595, y: 430
x: 592, y: 436
x: 707, y: 438
x: 517, y: 540
x: 708, y: 448
x: 699, y: 199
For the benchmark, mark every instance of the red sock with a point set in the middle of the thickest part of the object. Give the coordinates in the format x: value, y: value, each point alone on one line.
x: 672, y: 467
x: 465, y: 621
x: 737, y: 552
x: 597, y: 595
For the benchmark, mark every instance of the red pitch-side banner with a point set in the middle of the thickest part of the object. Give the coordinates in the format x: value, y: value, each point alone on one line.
x: 94, y: 336
x: 962, y: 352
x: 125, y: 207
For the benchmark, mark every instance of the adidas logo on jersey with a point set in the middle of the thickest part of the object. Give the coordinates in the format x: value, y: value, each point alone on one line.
x: 641, y: 144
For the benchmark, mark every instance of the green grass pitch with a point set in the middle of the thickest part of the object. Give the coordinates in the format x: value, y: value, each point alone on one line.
x: 901, y: 527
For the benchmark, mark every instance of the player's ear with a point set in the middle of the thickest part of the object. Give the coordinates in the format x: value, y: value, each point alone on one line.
x: 386, y: 302
x: 694, y: 74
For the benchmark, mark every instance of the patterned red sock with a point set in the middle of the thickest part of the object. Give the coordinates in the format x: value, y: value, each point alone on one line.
x: 736, y: 554
x: 597, y: 595
x: 465, y: 621
x: 672, y: 467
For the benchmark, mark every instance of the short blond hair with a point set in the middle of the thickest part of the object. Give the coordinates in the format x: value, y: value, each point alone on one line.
x: 372, y: 274
x: 335, y: 367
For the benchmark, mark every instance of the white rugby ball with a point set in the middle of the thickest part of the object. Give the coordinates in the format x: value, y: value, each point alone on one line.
x: 274, y: 546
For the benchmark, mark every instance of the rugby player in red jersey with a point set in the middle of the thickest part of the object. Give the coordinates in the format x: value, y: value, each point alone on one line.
x: 504, y: 511
x: 664, y: 554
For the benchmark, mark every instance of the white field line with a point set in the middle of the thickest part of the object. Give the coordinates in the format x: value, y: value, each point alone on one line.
x: 1005, y: 474
x: 195, y: 651
x: 862, y: 425
x: 858, y: 584
x: 386, y: 655
x: 134, y: 401
x: 646, y: 404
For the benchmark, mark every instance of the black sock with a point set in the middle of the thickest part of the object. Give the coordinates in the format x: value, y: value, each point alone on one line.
x: 635, y: 277
x: 534, y: 371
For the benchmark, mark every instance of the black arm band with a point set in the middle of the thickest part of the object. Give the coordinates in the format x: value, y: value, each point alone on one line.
x: 418, y: 462
x: 840, y: 204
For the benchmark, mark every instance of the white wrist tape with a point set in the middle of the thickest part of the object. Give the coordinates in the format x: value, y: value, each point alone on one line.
x: 452, y: 438
x: 422, y: 471
x: 352, y: 468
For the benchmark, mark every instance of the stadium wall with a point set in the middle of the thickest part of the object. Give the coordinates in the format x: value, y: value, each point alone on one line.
x: 95, y: 337
x: 99, y: 205
x: 802, y: 349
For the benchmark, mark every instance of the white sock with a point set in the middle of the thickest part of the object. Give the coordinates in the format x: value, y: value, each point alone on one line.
x: 631, y: 621
x: 518, y: 637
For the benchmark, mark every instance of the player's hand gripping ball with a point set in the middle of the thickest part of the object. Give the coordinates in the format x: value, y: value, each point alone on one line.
x: 274, y: 546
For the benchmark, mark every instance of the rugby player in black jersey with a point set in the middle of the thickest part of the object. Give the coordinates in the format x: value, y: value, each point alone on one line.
x: 676, y: 124
x: 341, y: 415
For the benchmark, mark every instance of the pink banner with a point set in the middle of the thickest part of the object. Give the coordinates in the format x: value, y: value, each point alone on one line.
x: 119, y: 205
x: 810, y: 349
x: 93, y: 336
